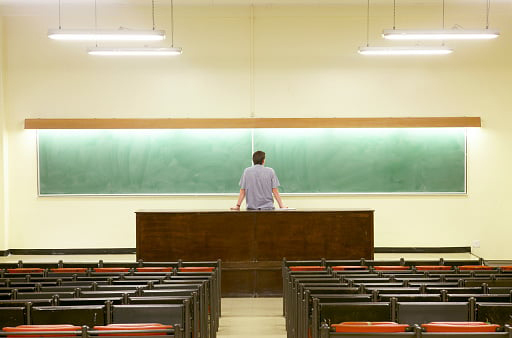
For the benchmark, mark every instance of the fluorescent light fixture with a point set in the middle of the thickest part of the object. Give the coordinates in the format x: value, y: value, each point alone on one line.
x: 106, y: 35
x: 442, y: 34
x: 414, y: 50
x: 135, y: 51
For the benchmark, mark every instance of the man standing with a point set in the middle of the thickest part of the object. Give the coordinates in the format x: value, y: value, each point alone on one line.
x: 257, y: 185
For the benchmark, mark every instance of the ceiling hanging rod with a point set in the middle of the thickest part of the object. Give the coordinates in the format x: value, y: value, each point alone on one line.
x: 397, y: 50
x: 145, y: 51
x: 121, y: 34
x: 456, y: 33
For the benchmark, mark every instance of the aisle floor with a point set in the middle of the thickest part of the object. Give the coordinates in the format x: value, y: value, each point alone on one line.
x: 252, y: 317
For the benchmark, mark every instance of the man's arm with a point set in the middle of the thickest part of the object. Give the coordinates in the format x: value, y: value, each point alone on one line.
x: 275, y: 191
x: 240, y: 200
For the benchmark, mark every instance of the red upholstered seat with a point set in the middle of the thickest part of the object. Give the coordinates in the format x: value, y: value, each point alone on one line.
x: 349, y: 267
x: 154, y: 269
x: 476, y: 267
x: 459, y: 327
x: 31, y: 329
x: 196, y: 269
x: 123, y: 328
x: 307, y: 268
x: 432, y: 267
x: 69, y: 270
x: 391, y: 267
x: 370, y: 327
x: 25, y: 270
x: 111, y: 269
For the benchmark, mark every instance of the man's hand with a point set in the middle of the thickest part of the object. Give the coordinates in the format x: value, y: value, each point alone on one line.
x: 235, y: 208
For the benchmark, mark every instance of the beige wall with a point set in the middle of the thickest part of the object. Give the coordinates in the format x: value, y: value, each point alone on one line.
x: 289, y: 61
x: 3, y: 152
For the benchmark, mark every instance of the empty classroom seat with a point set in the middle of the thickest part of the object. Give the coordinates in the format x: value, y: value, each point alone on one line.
x: 168, y: 314
x: 349, y: 267
x: 25, y: 270
x: 69, y: 270
x: 307, y: 268
x: 112, y: 269
x: 125, y: 329
x: 476, y: 267
x: 433, y: 268
x: 154, y: 269
x: 197, y: 269
x: 369, y: 327
x: 391, y: 267
x: 35, y: 330
x: 459, y: 327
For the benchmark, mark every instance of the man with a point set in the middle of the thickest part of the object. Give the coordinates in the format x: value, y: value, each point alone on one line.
x: 257, y: 185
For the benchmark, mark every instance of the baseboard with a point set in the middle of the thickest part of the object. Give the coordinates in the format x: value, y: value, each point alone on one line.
x: 128, y: 251
x: 94, y: 251
x: 461, y: 249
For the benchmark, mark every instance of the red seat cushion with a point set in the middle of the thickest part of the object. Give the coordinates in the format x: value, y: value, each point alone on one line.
x: 132, y: 327
x: 432, y: 267
x: 349, y: 267
x: 111, y: 269
x: 370, y: 327
x: 154, y: 269
x: 25, y: 270
x: 197, y: 269
x: 307, y: 268
x: 42, y: 328
x: 68, y: 270
x: 392, y: 267
x: 459, y: 327
x: 476, y: 267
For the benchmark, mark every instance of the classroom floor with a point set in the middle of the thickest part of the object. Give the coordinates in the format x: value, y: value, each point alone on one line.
x: 241, y: 317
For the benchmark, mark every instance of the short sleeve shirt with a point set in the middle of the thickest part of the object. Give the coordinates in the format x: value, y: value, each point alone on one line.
x: 258, y: 182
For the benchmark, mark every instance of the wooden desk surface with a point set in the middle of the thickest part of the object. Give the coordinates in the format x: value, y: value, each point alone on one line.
x: 252, y: 244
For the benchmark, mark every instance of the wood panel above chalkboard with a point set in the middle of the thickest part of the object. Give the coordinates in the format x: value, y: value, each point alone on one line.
x: 192, y: 123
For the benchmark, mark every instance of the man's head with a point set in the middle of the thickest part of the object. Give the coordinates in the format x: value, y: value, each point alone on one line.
x: 258, y: 157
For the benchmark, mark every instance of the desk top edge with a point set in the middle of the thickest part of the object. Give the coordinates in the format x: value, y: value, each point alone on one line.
x: 212, y: 211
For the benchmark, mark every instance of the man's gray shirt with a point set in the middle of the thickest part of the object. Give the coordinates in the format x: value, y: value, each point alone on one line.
x: 258, y: 182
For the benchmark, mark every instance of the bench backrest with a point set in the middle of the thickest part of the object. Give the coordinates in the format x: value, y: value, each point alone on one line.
x: 424, y: 312
x: 89, y: 315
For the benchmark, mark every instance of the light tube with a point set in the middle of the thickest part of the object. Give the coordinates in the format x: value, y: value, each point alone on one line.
x: 443, y: 34
x: 414, y: 50
x: 135, y: 51
x: 106, y: 35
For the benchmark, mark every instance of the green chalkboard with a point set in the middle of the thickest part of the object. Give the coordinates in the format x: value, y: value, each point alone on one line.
x: 114, y: 162
x: 142, y: 162
x: 415, y: 160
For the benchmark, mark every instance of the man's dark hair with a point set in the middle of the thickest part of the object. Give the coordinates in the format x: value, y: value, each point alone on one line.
x: 258, y: 157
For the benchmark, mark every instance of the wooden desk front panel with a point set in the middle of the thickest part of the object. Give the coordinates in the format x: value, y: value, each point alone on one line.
x: 252, y: 244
